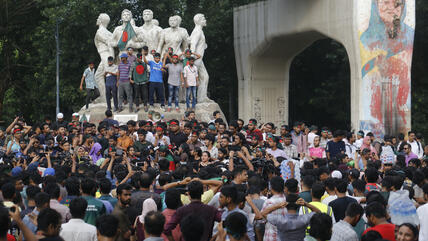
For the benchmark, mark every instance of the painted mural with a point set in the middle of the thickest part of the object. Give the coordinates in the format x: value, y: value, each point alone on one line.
x: 386, y: 32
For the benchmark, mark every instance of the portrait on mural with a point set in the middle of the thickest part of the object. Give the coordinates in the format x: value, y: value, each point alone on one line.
x: 386, y: 46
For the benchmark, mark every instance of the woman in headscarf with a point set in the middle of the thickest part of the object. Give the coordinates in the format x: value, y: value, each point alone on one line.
x: 95, y: 152
x: 148, y: 205
x: 367, y: 143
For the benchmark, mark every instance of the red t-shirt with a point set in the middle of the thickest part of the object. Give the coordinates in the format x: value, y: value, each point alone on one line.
x: 10, y: 237
x: 387, y: 231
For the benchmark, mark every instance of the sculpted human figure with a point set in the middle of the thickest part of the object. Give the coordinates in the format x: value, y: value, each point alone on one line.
x: 150, y: 32
x: 102, y: 38
x: 174, y: 37
x: 134, y: 42
x: 198, y: 45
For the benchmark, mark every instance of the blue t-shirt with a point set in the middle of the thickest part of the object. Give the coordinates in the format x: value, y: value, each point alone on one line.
x: 155, y: 71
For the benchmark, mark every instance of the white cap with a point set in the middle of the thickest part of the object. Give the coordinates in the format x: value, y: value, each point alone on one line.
x: 75, y: 114
x: 336, y: 174
x: 60, y: 116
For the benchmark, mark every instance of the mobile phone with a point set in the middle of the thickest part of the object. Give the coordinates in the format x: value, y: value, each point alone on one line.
x: 12, y: 209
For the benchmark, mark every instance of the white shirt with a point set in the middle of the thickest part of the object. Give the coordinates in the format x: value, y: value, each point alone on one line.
x: 190, y: 73
x: 77, y: 230
x: 359, y: 143
x: 423, y: 220
x: 110, y: 68
x: 417, y: 148
x: 150, y: 138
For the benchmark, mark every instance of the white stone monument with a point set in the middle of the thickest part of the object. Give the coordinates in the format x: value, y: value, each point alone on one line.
x: 198, y: 45
x: 101, y: 40
x: 149, y: 32
x: 152, y: 35
x: 174, y: 37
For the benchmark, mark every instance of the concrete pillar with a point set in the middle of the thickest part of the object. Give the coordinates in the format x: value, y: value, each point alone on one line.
x: 269, y: 34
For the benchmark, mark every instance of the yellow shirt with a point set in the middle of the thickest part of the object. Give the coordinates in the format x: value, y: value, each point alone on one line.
x: 205, y: 199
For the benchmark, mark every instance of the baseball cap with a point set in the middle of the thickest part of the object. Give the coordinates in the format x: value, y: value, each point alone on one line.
x: 75, y: 114
x: 130, y: 48
x: 33, y: 166
x: 49, y: 172
x: 16, y: 171
x: 124, y: 55
x: 60, y: 115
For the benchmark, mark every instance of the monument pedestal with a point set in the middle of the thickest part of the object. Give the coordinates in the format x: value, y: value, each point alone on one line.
x: 96, y: 112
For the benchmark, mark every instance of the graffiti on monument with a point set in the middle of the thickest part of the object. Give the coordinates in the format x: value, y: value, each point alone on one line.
x: 386, y: 31
x: 257, y: 109
x: 281, y: 109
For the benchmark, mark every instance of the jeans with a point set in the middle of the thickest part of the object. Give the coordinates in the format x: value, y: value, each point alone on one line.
x: 111, y: 91
x: 173, y: 93
x: 141, y: 91
x: 191, y: 90
x: 158, y: 87
x: 125, y: 88
x: 91, y: 95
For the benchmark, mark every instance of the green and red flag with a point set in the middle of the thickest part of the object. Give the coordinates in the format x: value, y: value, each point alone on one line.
x: 128, y: 34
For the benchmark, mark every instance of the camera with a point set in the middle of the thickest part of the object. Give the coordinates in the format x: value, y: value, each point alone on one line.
x: 234, y: 148
x: 139, y: 164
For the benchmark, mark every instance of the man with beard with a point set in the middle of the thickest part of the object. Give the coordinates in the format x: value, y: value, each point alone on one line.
x: 175, y: 135
x: 252, y: 130
x: 121, y: 211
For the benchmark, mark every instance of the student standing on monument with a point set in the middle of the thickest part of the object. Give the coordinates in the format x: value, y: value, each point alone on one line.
x: 174, y: 79
x: 110, y: 74
x: 191, y: 81
x: 92, y: 91
x: 140, y: 79
x: 124, y: 85
x: 156, y: 81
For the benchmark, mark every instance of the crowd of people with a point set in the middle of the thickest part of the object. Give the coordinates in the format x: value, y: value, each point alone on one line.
x: 197, y: 181
x: 143, y: 77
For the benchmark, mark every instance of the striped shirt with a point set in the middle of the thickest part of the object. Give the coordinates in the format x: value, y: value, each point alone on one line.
x: 124, y: 71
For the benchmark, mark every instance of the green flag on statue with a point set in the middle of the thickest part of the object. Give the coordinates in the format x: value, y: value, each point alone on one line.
x: 128, y: 33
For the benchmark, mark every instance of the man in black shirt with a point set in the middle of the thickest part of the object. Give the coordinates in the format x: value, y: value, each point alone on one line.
x: 336, y: 145
x: 340, y: 205
x: 176, y: 137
